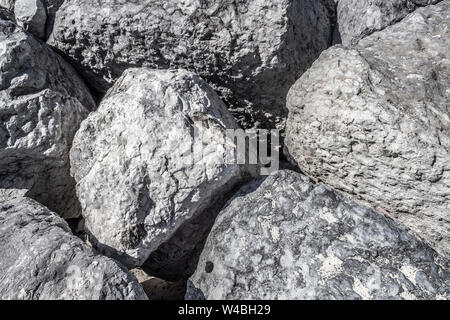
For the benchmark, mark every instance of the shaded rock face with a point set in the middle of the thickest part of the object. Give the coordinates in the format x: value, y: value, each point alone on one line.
x: 32, y: 16
x: 359, y: 18
x: 287, y: 238
x: 136, y: 180
x: 251, y: 52
x: 374, y: 122
x: 42, y: 103
x: 158, y: 289
x: 41, y: 260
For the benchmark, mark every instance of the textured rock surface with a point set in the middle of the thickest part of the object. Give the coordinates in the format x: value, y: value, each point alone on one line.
x: 374, y: 122
x: 249, y: 51
x: 177, y: 258
x: 286, y: 238
x: 32, y: 16
x: 136, y: 180
x: 41, y: 260
x: 359, y: 18
x: 42, y: 103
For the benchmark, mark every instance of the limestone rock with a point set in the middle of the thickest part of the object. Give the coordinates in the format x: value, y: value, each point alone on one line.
x: 42, y: 103
x: 359, y: 18
x: 140, y: 167
x: 374, y: 122
x: 251, y: 52
x: 41, y: 260
x: 287, y: 238
x: 32, y: 16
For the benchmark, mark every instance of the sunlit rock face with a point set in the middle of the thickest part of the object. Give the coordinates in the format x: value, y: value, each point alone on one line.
x: 374, y: 122
x: 153, y: 156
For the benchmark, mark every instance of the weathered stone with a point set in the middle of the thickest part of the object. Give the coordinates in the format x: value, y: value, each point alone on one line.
x: 32, y: 16
x: 51, y: 7
x: 7, y: 4
x: 374, y: 122
x: 42, y: 103
x: 287, y: 238
x: 359, y: 18
x: 251, y: 52
x: 138, y: 162
x: 41, y: 260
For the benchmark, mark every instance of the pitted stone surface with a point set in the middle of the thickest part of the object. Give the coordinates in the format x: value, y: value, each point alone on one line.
x: 287, y: 238
x: 374, y: 122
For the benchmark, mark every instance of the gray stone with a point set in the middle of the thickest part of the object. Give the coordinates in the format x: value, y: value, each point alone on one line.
x: 287, y: 238
x: 251, y: 52
x: 7, y: 4
x: 32, y: 16
x: 42, y: 260
x: 374, y: 122
x: 137, y: 178
x: 359, y: 18
x: 42, y: 103
x: 52, y: 7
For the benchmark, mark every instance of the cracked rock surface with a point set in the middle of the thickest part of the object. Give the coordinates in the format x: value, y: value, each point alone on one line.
x: 287, y: 238
x: 374, y: 122
x: 359, y: 18
x: 251, y: 52
x: 42, y: 260
x: 140, y: 167
x: 42, y: 103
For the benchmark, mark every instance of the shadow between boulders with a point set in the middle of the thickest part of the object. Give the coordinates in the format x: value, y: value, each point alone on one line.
x: 177, y: 258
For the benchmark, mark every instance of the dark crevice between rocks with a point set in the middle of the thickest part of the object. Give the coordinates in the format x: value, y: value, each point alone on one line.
x: 97, y: 95
x: 176, y: 259
x: 51, y: 7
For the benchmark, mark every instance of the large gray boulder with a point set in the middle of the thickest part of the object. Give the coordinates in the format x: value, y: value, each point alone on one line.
x: 359, y: 18
x: 42, y: 103
x: 32, y: 16
x: 251, y: 52
x: 154, y: 155
x: 374, y: 122
x: 287, y: 238
x: 42, y: 260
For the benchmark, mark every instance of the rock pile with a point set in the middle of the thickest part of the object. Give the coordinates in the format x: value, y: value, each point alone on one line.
x: 125, y: 171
